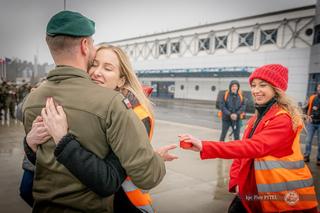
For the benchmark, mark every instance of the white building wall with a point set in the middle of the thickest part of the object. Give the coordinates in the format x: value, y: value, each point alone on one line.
x: 205, y: 84
x: 291, y: 49
x: 297, y: 61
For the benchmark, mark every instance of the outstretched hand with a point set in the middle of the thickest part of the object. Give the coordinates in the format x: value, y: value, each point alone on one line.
x: 55, y: 120
x: 164, y: 152
x: 196, y: 143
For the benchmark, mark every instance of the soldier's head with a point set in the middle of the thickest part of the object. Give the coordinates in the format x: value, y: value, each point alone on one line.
x: 69, y: 39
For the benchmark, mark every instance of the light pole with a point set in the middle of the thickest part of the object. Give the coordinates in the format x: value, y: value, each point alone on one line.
x: 64, y: 4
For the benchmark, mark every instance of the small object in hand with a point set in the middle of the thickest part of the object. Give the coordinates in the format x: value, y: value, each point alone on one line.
x: 185, y: 145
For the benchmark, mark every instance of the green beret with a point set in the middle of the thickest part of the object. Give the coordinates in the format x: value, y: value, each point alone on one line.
x: 71, y: 24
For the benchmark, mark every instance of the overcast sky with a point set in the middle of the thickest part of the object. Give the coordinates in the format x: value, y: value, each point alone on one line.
x: 23, y: 22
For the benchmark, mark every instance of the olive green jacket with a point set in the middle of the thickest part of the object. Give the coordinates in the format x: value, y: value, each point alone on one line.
x: 101, y: 121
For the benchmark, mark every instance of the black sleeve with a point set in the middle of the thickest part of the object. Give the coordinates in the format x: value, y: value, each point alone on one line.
x: 29, y: 152
x: 147, y: 124
x: 102, y: 176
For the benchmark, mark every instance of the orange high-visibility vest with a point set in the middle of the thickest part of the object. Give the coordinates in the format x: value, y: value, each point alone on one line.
x: 142, y: 113
x: 226, y: 94
x: 139, y: 198
x: 285, y: 184
x: 310, y: 103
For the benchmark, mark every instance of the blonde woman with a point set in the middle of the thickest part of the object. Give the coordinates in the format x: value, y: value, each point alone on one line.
x: 110, y: 69
x: 268, y: 172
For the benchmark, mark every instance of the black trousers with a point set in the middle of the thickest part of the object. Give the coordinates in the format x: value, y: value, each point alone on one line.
x: 226, y: 124
x: 236, y: 206
x: 122, y: 204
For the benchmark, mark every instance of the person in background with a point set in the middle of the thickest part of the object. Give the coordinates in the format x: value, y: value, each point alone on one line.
x: 232, y: 107
x: 4, y: 99
x: 313, y: 124
x: 268, y: 173
x: 12, y: 100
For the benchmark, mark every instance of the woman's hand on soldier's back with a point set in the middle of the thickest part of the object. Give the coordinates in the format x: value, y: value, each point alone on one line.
x: 38, y: 134
x: 55, y: 120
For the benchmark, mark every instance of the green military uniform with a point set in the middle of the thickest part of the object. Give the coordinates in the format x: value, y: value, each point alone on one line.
x: 101, y: 121
x: 5, y: 98
x: 22, y: 92
x: 12, y: 100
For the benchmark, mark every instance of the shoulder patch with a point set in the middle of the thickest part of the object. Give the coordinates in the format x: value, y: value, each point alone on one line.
x: 127, y: 103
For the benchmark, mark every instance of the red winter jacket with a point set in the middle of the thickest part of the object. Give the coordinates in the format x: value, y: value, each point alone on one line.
x: 274, y: 139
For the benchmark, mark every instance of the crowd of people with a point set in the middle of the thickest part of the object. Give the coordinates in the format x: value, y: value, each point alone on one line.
x: 11, y: 94
x: 89, y: 126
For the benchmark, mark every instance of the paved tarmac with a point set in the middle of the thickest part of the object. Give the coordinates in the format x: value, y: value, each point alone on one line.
x: 191, y: 185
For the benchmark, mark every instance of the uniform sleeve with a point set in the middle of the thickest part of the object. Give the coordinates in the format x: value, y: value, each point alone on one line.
x: 129, y: 141
x: 102, y: 176
x: 275, y: 139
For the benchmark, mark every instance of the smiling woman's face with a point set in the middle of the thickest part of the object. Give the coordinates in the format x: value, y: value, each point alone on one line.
x: 261, y: 91
x: 105, y: 70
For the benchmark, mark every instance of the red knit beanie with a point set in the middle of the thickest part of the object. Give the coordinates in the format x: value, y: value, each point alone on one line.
x: 275, y: 74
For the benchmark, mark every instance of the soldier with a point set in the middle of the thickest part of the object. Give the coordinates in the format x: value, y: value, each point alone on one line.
x: 101, y: 120
x: 5, y: 94
x: 12, y: 99
x: 22, y: 92
x: 1, y: 101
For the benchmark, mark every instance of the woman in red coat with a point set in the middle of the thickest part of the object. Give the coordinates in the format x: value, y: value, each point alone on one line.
x: 268, y: 172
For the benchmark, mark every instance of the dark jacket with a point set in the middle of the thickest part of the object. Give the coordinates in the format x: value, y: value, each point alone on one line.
x: 233, y: 103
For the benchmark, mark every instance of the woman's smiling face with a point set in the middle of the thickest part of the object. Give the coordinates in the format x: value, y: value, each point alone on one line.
x: 261, y: 91
x: 105, y: 70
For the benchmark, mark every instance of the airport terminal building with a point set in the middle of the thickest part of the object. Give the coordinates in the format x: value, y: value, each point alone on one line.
x: 198, y: 62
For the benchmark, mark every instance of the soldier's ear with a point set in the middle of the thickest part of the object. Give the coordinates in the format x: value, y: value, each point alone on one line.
x: 84, y: 46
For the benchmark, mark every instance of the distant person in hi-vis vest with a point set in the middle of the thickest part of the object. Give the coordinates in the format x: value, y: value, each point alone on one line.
x: 232, y: 105
x: 313, y: 124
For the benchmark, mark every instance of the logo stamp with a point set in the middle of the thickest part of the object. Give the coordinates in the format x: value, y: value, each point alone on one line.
x: 291, y: 198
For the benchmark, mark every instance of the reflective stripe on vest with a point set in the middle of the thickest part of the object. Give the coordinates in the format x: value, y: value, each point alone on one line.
x: 285, y: 186
x: 286, y: 183
x: 265, y: 165
x: 141, y: 199
x: 137, y: 197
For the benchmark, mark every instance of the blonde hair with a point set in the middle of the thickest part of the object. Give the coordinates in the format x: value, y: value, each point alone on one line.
x: 290, y: 106
x: 132, y: 83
